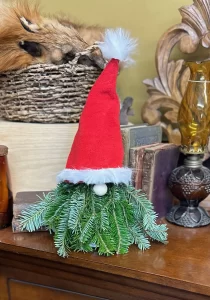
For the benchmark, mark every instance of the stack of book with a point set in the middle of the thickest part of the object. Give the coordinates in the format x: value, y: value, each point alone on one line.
x: 138, y: 135
x: 152, y: 163
x: 152, y: 166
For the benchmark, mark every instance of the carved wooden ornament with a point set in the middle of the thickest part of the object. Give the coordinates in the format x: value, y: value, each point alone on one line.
x: 166, y: 91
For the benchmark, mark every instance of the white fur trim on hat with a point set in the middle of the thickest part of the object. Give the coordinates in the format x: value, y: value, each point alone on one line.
x: 90, y: 176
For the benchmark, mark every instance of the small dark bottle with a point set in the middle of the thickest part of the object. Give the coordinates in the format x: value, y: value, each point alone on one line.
x: 5, y: 193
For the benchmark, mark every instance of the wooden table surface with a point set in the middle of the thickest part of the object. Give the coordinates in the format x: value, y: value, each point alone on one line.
x: 184, y: 263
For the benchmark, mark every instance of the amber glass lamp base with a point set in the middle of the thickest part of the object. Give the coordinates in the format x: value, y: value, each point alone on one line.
x: 190, y: 184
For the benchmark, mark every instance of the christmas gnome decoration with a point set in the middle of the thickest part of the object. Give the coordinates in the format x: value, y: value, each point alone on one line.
x: 94, y: 207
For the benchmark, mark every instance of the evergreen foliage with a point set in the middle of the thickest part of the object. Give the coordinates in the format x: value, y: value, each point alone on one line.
x: 83, y: 221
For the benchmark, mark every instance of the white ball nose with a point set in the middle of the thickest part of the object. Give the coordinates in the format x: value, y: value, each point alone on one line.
x: 100, y: 189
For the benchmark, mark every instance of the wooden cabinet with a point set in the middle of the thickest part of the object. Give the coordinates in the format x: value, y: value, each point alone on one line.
x: 30, y: 269
x: 19, y: 290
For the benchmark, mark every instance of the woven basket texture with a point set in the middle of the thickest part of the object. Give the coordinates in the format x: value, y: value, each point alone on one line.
x: 46, y: 93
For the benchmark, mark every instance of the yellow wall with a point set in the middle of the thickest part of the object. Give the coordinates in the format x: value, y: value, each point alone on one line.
x: 146, y: 19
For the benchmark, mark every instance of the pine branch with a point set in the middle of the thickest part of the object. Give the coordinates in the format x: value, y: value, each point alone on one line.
x: 139, y: 238
x: 88, y: 229
x: 32, y: 218
x: 104, y: 244
x: 145, y: 208
x: 77, y: 206
x: 159, y: 233
x: 77, y: 246
x: 62, y: 238
x: 104, y: 220
x: 119, y: 238
x: 119, y: 231
x: 128, y: 213
x: 146, y: 217
x: 83, y: 221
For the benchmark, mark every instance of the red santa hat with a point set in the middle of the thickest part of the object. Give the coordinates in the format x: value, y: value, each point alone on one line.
x: 96, y: 156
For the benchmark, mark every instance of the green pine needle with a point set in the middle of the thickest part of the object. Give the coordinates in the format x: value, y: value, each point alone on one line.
x: 83, y: 221
x: 62, y: 233
x: 32, y: 218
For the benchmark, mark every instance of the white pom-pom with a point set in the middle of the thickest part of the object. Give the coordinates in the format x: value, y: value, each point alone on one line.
x: 100, y: 189
x: 119, y: 45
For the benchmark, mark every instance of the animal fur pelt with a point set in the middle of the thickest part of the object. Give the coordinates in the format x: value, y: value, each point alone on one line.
x: 27, y: 37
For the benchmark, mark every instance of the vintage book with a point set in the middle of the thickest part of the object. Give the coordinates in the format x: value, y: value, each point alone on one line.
x: 136, y: 157
x: 158, y: 163
x: 21, y: 202
x: 138, y: 135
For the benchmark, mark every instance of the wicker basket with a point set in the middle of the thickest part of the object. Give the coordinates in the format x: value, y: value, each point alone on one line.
x: 46, y: 93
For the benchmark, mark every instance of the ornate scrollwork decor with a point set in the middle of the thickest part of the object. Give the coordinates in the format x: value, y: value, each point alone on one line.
x: 167, y: 89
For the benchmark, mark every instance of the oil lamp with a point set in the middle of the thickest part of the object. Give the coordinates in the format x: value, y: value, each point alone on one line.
x: 190, y: 183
